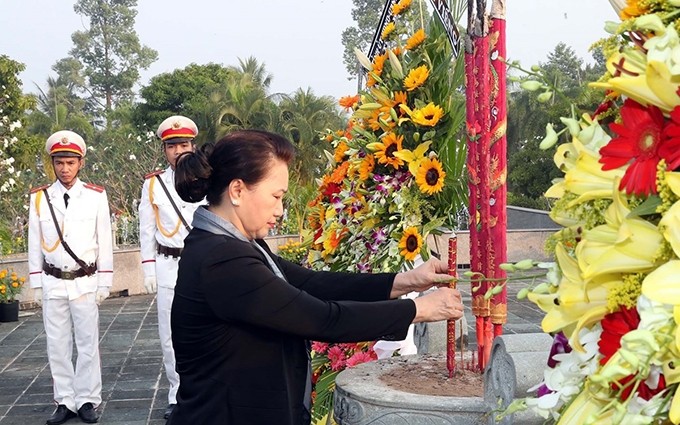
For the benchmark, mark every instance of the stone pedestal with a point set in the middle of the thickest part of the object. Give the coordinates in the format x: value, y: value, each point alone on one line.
x: 361, y: 398
x: 516, y: 364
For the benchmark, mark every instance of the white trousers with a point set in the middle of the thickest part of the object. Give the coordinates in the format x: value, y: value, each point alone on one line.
x: 164, y: 302
x: 73, y: 388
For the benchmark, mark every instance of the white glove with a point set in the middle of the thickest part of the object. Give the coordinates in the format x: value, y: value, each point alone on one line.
x: 37, y: 296
x: 150, y: 284
x: 102, y: 294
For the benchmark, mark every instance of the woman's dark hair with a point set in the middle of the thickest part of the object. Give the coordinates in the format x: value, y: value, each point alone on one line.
x: 243, y: 154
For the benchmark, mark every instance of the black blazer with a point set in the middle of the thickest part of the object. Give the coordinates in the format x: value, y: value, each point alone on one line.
x: 239, y: 332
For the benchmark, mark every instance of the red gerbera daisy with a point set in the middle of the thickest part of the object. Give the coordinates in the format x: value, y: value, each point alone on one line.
x: 641, y: 144
x: 614, y: 326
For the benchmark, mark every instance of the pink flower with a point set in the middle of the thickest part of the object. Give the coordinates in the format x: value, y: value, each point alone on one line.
x: 320, y: 347
x: 361, y: 357
x: 336, y: 356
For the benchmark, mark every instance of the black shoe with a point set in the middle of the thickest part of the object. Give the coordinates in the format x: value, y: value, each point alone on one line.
x: 87, y: 414
x: 169, y: 410
x: 61, y: 415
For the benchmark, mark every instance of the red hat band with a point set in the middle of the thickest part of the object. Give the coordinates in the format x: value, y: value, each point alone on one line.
x: 172, y: 133
x: 66, y: 147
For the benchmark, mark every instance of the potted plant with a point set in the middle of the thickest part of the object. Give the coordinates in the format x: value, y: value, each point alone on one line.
x: 10, y: 286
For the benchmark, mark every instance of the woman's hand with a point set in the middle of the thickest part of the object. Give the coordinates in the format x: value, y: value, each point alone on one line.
x: 441, y: 304
x: 431, y: 273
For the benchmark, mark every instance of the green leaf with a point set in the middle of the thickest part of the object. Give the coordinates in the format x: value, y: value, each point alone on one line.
x: 648, y: 207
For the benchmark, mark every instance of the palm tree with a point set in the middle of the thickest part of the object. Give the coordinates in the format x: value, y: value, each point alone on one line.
x: 241, y: 102
x: 59, y: 108
x: 256, y: 70
x: 304, y: 117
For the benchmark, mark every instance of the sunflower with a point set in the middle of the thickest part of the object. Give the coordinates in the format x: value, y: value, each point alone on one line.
x: 400, y: 7
x: 385, y: 150
x: 415, y: 40
x: 428, y: 116
x: 387, y: 31
x: 410, y: 243
x: 373, y: 122
x: 400, y: 98
x: 416, y: 77
x: 340, y: 151
x: 430, y: 178
x: 366, y: 167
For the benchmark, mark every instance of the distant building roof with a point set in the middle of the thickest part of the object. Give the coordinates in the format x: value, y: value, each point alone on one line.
x: 528, y: 218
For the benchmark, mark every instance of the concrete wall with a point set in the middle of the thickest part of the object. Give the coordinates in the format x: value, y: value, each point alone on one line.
x: 127, y: 271
x: 520, y: 244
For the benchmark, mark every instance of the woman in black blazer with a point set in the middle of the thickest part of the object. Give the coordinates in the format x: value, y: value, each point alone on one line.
x: 242, y: 316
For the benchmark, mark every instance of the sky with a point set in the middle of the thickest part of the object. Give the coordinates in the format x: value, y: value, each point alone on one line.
x: 298, y: 41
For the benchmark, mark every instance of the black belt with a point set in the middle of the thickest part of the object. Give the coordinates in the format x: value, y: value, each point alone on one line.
x: 68, y: 275
x: 168, y: 252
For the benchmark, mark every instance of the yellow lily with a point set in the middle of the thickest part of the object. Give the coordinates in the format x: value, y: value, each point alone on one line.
x: 557, y: 190
x: 583, y: 173
x: 670, y: 225
x: 583, y: 407
x: 659, y: 79
x: 622, y: 245
x: 646, y: 83
x: 673, y: 181
x: 587, y: 176
x: 414, y: 158
x: 573, y: 299
x: 674, y: 413
x: 662, y: 284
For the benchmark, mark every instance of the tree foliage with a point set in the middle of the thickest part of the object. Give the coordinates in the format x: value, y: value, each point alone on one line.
x: 366, y: 15
x: 110, y: 49
x: 564, y: 93
x: 179, y: 92
x: 18, y: 169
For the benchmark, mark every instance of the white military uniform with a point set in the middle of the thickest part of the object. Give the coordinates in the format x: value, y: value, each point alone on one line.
x: 159, y: 225
x: 70, y: 303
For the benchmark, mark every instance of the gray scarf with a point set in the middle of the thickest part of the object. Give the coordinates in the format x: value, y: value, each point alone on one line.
x: 210, y: 222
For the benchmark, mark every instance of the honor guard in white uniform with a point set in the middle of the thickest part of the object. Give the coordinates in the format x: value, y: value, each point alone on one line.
x: 164, y: 221
x: 70, y: 260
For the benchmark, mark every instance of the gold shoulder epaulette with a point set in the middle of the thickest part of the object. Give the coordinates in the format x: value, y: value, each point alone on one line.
x: 94, y: 187
x: 153, y: 173
x: 39, y: 188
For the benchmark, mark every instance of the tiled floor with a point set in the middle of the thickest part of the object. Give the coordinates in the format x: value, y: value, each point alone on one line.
x: 134, y: 384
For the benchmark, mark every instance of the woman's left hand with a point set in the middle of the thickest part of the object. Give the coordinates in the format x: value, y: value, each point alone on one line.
x: 431, y: 273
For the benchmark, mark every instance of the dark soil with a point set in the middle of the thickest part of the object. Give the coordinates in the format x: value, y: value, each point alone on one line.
x: 429, y: 376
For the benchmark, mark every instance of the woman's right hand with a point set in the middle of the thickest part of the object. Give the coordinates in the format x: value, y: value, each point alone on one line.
x: 440, y: 304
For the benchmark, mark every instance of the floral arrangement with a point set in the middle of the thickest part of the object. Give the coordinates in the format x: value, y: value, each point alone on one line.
x: 327, y: 361
x: 612, y: 299
x: 10, y: 285
x: 393, y: 174
x: 383, y: 190
x: 293, y: 251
